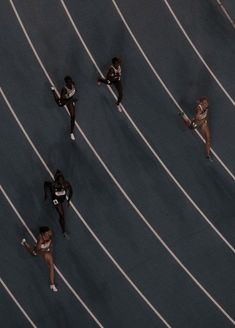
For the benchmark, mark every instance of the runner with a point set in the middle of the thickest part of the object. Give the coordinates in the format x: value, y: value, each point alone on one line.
x: 200, y: 122
x: 44, y: 248
x: 60, y: 190
x: 114, y: 77
x: 67, y: 97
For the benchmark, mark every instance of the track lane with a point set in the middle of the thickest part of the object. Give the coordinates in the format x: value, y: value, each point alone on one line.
x: 82, y: 261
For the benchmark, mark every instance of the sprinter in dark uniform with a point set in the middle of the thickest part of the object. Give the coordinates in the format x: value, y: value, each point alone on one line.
x: 200, y: 122
x: 67, y: 97
x: 44, y: 248
x: 60, y: 190
x: 114, y: 77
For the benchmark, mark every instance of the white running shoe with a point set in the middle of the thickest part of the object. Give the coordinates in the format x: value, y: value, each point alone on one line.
x: 52, y: 88
x: 23, y: 241
x: 53, y: 288
x: 119, y: 108
x: 72, y: 136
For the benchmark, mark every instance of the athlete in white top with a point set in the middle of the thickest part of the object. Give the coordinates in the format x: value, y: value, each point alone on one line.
x: 67, y: 98
x: 200, y: 122
x: 114, y: 77
x: 44, y: 248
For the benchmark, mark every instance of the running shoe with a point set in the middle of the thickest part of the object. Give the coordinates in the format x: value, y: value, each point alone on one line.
x: 53, y: 288
x: 23, y: 241
x: 119, y: 108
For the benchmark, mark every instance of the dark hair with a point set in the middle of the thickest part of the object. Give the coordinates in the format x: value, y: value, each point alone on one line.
x: 58, y: 174
x: 116, y: 60
x: 68, y: 79
x: 44, y: 229
x: 203, y: 98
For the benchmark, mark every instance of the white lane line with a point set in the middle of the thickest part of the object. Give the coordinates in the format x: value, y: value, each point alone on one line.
x: 148, y: 145
x: 198, y: 53
x: 121, y: 189
x: 226, y: 13
x: 17, y: 304
x: 56, y: 268
x: 103, y: 247
x: 80, y: 217
x: 164, y: 85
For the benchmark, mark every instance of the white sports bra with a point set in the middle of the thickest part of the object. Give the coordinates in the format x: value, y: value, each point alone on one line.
x: 60, y: 193
x: 117, y: 71
x: 203, y: 113
x: 69, y: 92
x: 45, y: 246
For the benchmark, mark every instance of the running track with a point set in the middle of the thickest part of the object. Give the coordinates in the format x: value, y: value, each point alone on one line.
x: 120, y: 273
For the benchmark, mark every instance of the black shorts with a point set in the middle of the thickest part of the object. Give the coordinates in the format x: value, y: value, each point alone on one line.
x: 68, y: 101
x: 58, y: 200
